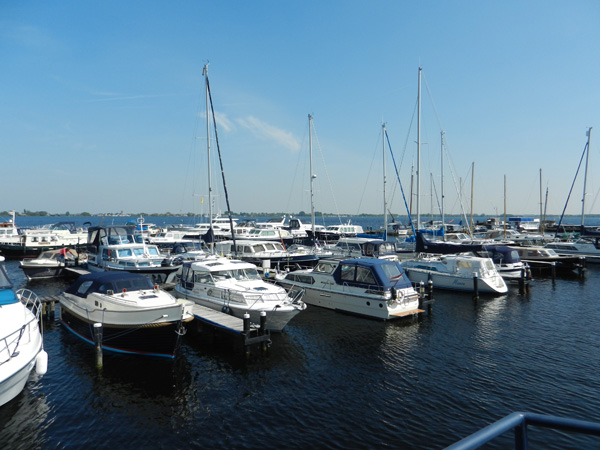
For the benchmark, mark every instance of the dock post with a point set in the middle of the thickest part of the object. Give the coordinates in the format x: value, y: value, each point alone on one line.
x: 581, y: 266
x: 522, y: 282
x: 263, y: 322
x: 263, y: 329
x: 98, y: 340
x: 475, y: 286
x: 553, y: 270
x: 430, y: 289
x: 246, y: 322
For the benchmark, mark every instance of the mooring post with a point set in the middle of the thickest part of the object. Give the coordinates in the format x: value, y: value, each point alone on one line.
x: 430, y: 289
x: 475, y: 286
x: 246, y: 322
x: 263, y: 322
x: 98, y: 340
x: 522, y: 282
x: 553, y: 270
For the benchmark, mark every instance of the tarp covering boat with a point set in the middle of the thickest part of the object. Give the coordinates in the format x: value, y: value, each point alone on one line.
x: 423, y: 245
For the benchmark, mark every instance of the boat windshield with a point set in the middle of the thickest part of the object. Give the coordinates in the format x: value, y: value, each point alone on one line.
x: 392, y: 271
x: 238, y: 274
x: 4, y: 280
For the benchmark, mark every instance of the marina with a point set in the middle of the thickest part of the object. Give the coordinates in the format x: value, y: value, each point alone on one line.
x: 420, y: 382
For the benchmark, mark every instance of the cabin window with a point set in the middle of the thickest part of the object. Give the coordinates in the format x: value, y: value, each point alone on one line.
x: 364, y: 275
x: 464, y: 264
x: 306, y: 279
x: 83, y: 287
x: 325, y: 268
x: 124, y: 253
x: 347, y: 273
x: 392, y: 271
x: 202, y: 278
x: 105, y: 254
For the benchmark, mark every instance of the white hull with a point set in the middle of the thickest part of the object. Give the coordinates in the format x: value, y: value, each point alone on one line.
x: 12, y: 386
x: 17, y: 355
x: 494, y: 285
x: 361, y: 305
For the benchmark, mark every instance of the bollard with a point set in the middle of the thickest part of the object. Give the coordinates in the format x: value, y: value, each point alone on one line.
x: 522, y: 282
x: 263, y: 322
x: 475, y: 286
x: 553, y: 270
x: 246, y: 322
x: 422, y: 290
x: 430, y: 289
x: 98, y: 340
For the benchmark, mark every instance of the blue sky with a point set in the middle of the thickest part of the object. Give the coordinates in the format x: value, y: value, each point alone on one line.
x: 103, y: 105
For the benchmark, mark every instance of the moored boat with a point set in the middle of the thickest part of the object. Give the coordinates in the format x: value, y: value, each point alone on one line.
x: 136, y: 316
x: 235, y: 287
x: 21, y: 341
x: 119, y: 248
x: 368, y: 287
x: 49, y: 263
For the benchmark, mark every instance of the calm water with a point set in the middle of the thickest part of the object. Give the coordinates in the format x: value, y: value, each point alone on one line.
x: 331, y: 380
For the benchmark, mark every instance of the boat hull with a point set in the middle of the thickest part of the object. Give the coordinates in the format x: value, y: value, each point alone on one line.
x: 160, y: 339
x: 14, y: 385
x: 454, y: 283
x: 18, y: 350
x: 276, y: 321
x: 38, y: 271
x: 359, y: 305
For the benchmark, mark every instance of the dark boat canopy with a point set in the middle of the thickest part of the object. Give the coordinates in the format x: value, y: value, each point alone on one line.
x: 425, y: 246
x: 500, y: 254
x: 103, y: 282
x: 367, y: 272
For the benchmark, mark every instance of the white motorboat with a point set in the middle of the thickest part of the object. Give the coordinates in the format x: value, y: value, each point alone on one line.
x: 333, y: 232
x: 31, y: 242
x: 369, y: 287
x: 49, y: 263
x: 448, y: 266
x: 21, y: 341
x: 507, y: 261
x: 235, y: 287
x: 585, y: 247
x: 546, y: 258
x: 136, y: 316
x: 119, y: 248
x: 267, y: 254
x: 456, y: 272
x: 359, y: 247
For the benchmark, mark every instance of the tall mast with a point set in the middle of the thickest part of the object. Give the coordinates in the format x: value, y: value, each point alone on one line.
x: 442, y: 180
x: 312, y: 176
x: 541, y: 203
x: 504, y: 221
x: 419, y: 152
x: 205, y: 74
x: 384, y: 183
x: 472, y: 189
x: 587, y: 157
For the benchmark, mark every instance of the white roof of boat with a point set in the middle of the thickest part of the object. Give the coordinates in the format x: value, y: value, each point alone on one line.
x: 221, y: 263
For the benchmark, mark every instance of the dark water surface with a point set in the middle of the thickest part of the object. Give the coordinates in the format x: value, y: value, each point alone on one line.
x: 331, y: 380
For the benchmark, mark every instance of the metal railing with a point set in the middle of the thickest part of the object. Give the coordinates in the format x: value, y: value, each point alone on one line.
x: 518, y: 423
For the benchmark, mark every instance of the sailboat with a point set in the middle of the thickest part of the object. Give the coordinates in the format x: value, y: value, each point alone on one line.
x: 232, y: 285
x: 449, y: 271
x: 588, y: 245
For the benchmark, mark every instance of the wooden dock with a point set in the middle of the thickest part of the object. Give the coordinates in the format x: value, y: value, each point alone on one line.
x: 212, y: 324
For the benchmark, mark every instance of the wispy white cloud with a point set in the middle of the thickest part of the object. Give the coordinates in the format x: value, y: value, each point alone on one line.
x: 223, y: 122
x: 269, y: 132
